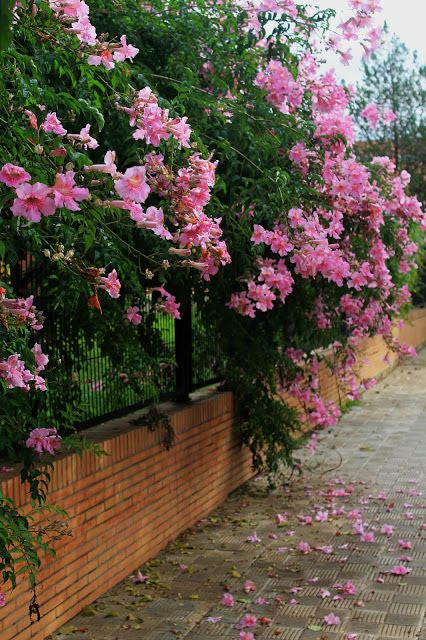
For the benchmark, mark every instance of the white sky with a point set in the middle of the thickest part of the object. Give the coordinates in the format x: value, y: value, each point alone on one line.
x: 406, y: 18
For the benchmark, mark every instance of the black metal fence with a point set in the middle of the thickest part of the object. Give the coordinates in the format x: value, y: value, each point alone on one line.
x: 175, y: 356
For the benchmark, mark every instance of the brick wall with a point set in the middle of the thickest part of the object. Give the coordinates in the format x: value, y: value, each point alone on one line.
x: 126, y: 506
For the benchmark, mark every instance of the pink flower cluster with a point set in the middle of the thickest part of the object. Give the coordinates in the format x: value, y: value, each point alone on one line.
x: 167, y: 303
x: 16, y: 376
x: 274, y: 282
x: 33, y: 201
x: 21, y: 310
x: 283, y: 91
x: 44, y: 440
x: 374, y: 113
x: 74, y: 15
x: 153, y: 123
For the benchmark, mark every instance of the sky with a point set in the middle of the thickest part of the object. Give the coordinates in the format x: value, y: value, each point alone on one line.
x: 406, y: 18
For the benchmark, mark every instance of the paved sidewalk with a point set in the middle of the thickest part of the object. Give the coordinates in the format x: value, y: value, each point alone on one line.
x: 367, y: 531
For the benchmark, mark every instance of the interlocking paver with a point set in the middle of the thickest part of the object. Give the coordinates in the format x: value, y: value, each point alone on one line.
x: 382, y: 442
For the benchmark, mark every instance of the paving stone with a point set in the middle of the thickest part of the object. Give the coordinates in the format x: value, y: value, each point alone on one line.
x: 382, y: 443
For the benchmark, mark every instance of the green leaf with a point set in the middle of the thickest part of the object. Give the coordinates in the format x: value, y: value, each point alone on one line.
x: 5, y: 23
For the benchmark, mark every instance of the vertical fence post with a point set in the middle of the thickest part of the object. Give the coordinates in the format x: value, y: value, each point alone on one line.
x: 183, y: 350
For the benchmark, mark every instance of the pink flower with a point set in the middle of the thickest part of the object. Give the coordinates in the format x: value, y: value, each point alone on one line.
x: 111, y: 284
x: 388, y: 115
x: 387, y: 529
x: 304, y: 547
x: 104, y: 58
x: 133, y: 315
x: 246, y: 635
x: 15, y: 374
x: 367, y: 536
x: 324, y: 548
x: 84, y: 138
x: 41, y: 358
x: 228, y: 600
x: 109, y: 165
x: 43, y: 440
x: 53, y: 125
x: 399, y: 570
x: 66, y: 193
x: 180, y: 130
x: 254, y: 538
x: 249, y: 586
x: 405, y: 544
x: 332, y: 619
x: 140, y: 578
x: 13, y: 175
x: 321, y: 516
x: 32, y: 201
x: 84, y: 30
x: 248, y: 620
x: 133, y: 185
x: 324, y: 593
x: 348, y: 589
x: 168, y: 304
x: 281, y: 518
x: 32, y: 118
x: 126, y: 51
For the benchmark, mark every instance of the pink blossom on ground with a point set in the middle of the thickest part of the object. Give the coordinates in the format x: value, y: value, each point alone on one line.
x: 254, y: 538
x: 12, y: 175
x: 33, y: 201
x: 133, y: 315
x: 332, y: 619
x: 321, y: 516
x: 228, y: 600
x: 140, y: 578
x: 304, y: 547
x: 248, y: 620
x: 405, y: 544
x: 399, y: 570
x: 43, y: 440
x: 281, y: 518
x: 387, y: 529
x: 249, y: 586
x: 367, y: 536
x: 246, y: 635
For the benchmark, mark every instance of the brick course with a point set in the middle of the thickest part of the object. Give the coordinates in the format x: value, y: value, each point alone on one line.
x: 128, y: 505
